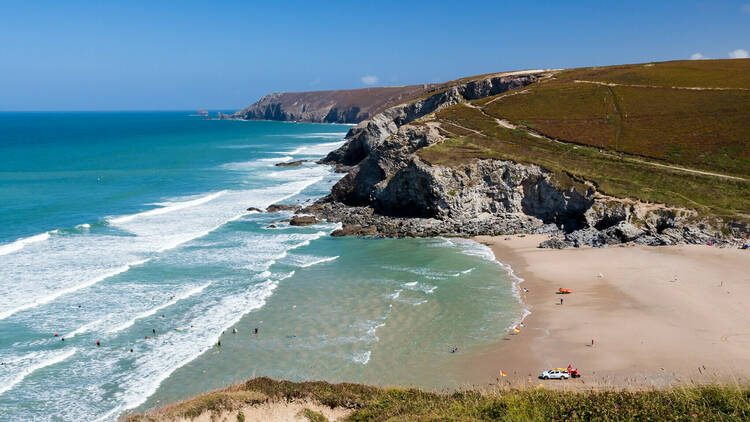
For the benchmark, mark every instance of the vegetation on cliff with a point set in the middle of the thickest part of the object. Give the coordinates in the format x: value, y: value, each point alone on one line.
x: 366, y: 403
x: 681, y: 147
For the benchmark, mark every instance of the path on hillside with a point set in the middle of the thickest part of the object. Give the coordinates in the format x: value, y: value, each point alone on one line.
x: 509, y: 125
x: 690, y: 88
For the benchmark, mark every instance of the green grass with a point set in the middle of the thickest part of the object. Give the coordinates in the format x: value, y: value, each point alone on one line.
x: 313, y: 416
x: 703, y: 403
x: 613, y: 174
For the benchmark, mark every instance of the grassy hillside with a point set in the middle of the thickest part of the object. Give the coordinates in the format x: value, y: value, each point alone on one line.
x: 705, y: 403
x: 623, y: 139
x: 646, y: 110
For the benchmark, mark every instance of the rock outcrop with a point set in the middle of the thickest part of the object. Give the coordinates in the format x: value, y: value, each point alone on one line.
x: 336, y: 106
x: 391, y: 191
x: 291, y: 163
x: 362, y: 138
x: 303, y: 220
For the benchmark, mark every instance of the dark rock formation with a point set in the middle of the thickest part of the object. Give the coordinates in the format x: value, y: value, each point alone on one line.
x: 282, y: 207
x: 355, y: 230
x: 254, y: 209
x: 291, y: 163
x: 303, y: 220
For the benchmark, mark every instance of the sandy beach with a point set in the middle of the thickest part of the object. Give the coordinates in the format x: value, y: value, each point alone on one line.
x: 658, y: 316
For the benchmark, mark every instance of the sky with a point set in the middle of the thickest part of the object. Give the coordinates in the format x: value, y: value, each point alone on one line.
x: 159, y: 55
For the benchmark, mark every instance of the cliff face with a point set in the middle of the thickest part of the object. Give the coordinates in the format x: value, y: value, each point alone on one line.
x: 362, y: 138
x: 390, y: 190
x: 337, y: 106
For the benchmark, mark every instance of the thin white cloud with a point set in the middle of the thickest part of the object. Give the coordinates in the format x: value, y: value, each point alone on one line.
x: 739, y: 54
x: 369, y: 79
x: 697, y: 56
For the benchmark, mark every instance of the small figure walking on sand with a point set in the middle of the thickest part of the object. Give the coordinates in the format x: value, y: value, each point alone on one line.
x: 592, y: 342
x: 561, y: 301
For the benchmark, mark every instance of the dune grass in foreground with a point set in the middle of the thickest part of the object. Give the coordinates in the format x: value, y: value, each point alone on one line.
x: 703, y: 403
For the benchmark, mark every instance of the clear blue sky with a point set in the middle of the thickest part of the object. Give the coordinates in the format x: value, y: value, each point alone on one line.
x: 148, y: 55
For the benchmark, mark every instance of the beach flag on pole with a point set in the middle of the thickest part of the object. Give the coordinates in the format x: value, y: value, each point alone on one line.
x: 502, y: 373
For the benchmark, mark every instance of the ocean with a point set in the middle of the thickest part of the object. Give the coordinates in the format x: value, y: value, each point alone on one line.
x: 131, y: 229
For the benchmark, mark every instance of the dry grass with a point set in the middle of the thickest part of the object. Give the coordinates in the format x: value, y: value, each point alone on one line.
x: 227, y: 400
x: 704, y: 403
x: 703, y: 129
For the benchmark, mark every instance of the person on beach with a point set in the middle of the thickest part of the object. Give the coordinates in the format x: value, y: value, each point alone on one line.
x: 592, y: 342
x: 153, y: 330
x: 561, y: 301
x: 234, y: 331
x: 255, y: 331
x: 97, y: 343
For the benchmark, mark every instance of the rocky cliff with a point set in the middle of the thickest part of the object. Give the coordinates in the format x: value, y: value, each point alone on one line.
x: 390, y: 190
x: 336, y: 106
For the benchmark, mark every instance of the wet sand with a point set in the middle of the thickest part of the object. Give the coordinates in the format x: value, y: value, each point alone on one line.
x: 658, y: 316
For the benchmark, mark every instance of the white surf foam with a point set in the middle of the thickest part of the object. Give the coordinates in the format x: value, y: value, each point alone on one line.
x: 71, y: 289
x: 84, y: 328
x: 172, y: 350
x: 309, y: 261
x: 156, y: 309
x: 362, y: 357
x: 316, y: 149
x: 335, y: 135
x: 169, y: 207
x: 36, y: 361
x: 20, y: 243
x: 424, y: 288
x: 470, y: 247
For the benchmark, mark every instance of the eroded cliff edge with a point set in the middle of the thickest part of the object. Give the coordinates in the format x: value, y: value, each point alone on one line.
x: 334, y: 106
x: 391, y: 190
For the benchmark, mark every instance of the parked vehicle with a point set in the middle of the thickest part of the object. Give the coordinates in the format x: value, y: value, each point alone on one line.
x: 555, y: 374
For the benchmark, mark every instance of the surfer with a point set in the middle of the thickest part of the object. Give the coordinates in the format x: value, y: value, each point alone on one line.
x: 234, y: 331
x: 97, y: 343
x: 153, y: 330
x: 255, y: 331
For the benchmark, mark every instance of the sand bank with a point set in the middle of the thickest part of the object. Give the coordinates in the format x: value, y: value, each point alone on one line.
x: 658, y: 315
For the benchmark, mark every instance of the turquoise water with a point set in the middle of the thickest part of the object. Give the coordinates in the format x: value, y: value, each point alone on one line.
x: 116, y: 225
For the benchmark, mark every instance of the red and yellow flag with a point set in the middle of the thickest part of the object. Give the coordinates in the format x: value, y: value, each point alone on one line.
x: 502, y: 373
